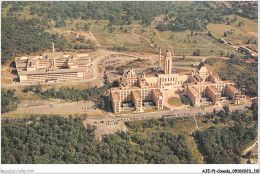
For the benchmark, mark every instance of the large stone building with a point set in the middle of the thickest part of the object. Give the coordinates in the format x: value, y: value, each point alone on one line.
x: 53, y: 67
x: 139, y: 92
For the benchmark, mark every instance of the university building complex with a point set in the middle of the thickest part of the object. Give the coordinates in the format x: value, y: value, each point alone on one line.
x: 53, y: 67
x: 140, y: 92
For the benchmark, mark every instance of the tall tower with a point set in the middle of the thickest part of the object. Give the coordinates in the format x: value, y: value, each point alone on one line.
x: 160, y: 59
x: 53, y: 47
x: 168, y: 62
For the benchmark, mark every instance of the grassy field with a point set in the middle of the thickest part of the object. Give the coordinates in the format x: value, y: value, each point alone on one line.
x: 117, y: 35
x: 249, y: 25
x: 240, y: 35
x: 140, y: 38
x: 174, y: 101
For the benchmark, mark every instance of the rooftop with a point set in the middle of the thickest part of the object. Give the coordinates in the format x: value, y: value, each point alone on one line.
x: 134, y: 87
x: 194, y: 91
x: 136, y: 95
x: 51, y: 55
x: 115, y: 96
x: 233, y: 88
x: 157, y: 93
x: 150, y: 75
x: 208, y: 82
x: 213, y: 89
x: 55, y: 70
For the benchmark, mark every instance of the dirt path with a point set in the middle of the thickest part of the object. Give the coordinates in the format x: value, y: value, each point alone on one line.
x: 138, y: 35
x: 157, y: 33
x: 214, y: 45
x: 92, y: 36
x: 197, y: 126
x: 253, y: 148
x: 164, y: 41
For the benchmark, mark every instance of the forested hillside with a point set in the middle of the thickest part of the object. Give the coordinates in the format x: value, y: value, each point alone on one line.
x: 54, y: 139
x: 224, y: 145
x: 245, y: 75
x: 26, y: 25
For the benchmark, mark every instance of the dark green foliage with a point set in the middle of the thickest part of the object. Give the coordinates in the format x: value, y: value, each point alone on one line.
x: 224, y: 145
x: 9, y: 101
x: 56, y: 140
x: 254, y: 107
x: 134, y: 64
x: 25, y: 36
x: 246, y: 79
x: 196, y: 53
x: 201, y: 65
x: 38, y: 88
x: 73, y: 94
x: 118, y: 13
x: 244, y: 117
x: 22, y: 36
x: 49, y: 140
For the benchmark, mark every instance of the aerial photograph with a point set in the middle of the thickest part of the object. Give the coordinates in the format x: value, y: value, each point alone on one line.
x: 129, y: 82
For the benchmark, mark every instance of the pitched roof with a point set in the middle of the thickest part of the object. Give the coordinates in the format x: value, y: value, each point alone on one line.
x: 115, y: 96
x: 157, y: 93
x: 213, y: 89
x: 233, y: 88
x: 193, y: 91
x: 136, y: 95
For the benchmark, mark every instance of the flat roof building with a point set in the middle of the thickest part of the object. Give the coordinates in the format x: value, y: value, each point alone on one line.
x: 53, y: 67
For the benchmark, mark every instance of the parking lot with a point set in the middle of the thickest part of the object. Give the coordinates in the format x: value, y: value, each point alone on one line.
x: 62, y: 108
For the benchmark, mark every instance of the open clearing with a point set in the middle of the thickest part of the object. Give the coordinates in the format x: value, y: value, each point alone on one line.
x: 238, y: 36
x: 80, y: 107
x: 249, y: 25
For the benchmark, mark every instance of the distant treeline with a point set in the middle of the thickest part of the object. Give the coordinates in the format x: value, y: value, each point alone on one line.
x: 25, y: 35
x: 22, y: 36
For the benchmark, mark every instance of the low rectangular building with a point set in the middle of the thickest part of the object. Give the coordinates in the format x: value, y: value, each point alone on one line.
x: 54, y: 67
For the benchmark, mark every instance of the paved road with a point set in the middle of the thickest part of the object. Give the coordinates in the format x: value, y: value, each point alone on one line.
x: 101, y: 55
x: 159, y: 114
x: 253, y: 148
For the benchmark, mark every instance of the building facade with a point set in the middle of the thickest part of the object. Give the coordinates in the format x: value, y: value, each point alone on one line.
x: 136, y: 92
